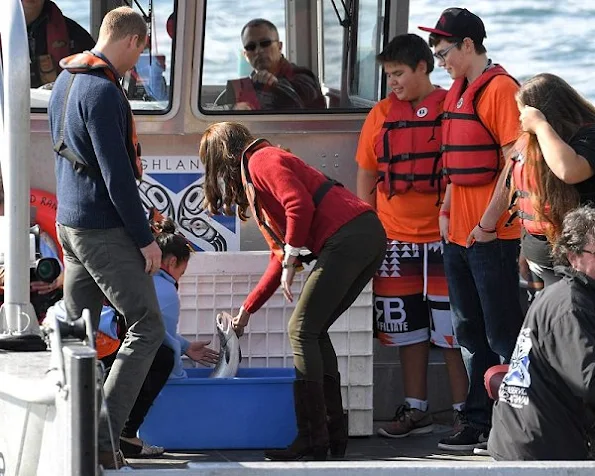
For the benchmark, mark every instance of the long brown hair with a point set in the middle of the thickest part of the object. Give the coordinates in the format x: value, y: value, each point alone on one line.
x: 220, y: 151
x: 566, y: 111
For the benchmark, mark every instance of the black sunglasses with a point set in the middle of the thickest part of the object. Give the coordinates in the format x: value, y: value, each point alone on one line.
x: 263, y: 44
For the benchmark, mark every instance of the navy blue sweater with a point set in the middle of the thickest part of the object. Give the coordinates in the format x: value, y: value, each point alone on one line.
x: 96, y: 129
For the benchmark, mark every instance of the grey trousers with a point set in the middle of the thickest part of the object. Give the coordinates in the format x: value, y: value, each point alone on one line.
x: 100, y: 263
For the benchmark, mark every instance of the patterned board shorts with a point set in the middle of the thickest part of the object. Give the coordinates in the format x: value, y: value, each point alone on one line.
x: 411, y: 296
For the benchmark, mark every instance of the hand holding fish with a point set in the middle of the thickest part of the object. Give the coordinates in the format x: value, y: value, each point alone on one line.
x: 240, y: 321
x: 199, y: 352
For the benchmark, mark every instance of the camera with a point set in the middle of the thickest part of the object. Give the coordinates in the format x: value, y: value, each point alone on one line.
x: 45, y: 269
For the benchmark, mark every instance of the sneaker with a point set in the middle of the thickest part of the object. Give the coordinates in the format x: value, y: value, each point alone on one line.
x: 465, y: 440
x: 481, y: 449
x: 108, y: 460
x: 459, y: 420
x: 408, y: 421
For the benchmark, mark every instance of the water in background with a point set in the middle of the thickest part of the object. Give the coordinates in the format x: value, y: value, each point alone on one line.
x: 526, y: 36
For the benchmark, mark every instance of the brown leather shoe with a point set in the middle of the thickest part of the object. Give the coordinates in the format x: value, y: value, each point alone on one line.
x: 106, y: 459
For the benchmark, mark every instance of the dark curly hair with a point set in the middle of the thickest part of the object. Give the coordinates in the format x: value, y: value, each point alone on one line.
x: 578, y: 231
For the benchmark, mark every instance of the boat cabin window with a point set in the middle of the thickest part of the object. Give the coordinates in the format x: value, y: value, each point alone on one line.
x: 73, y: 31
x: 284, y: 56
x: 367, y: 77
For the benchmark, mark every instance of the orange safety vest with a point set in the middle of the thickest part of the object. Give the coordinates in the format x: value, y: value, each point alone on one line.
x: 82, y: 63
x: 524, y: 182
x: 407, y: 147
x: 58, y: 45
x: 244, y: 91
x: 105, y: 345
x: 269, y: 229
x: 470, y: 154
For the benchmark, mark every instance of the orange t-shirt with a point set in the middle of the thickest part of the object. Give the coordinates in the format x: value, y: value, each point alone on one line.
x: 410, y: 216
x: 498, y: 111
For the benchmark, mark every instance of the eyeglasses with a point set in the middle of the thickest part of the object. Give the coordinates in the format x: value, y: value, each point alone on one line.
x: 441, y: 55
x: 262, y: 43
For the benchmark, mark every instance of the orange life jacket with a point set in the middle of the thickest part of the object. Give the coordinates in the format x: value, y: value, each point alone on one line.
x: 409, y: 144
x: 82, y: 63
x: 58, y: 45
x: 470, y: 154
x: 244, y: 91
x: 105, y: 345
x: 524, y: 182
x: 269, y: 229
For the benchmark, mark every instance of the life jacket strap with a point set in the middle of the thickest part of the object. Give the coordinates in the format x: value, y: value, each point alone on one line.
x: 78, y: 164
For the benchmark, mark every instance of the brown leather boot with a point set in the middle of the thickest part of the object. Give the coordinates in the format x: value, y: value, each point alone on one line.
x: 312, y: 439
x: 337, y: 429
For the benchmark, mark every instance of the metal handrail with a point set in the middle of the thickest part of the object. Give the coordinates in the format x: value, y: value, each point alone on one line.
x: 14, y: 159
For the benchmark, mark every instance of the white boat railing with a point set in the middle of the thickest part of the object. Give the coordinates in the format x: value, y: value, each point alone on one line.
x: 17, y: 316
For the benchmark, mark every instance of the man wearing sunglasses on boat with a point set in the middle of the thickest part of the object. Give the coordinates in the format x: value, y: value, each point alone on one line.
x: 274, y: 83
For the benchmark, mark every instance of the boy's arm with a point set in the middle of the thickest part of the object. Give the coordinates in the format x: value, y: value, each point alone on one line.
x: 486, y: 230
x: 366, y: 182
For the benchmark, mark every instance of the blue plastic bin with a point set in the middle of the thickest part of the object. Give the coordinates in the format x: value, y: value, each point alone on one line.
x: 253, y: 410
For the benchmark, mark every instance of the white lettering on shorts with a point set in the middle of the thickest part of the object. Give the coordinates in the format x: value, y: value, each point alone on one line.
x: 390, y: 315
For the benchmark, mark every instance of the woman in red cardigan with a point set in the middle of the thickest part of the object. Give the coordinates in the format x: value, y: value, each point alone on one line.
x: 302, y: 214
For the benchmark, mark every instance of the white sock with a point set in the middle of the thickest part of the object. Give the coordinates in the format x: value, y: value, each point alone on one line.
x: 458, y: 406
x: 421, y: 405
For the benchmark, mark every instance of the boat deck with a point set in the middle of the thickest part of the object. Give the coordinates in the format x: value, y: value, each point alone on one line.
x: 373, y: 456
x: 373, y: 448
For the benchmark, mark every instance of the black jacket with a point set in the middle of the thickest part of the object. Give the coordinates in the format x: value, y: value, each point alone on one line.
x: 542, y: 410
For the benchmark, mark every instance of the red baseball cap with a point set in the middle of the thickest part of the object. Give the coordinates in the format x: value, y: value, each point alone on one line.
x: 459, y: 23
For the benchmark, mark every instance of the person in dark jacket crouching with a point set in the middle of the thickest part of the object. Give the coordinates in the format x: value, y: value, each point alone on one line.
x: 546, y: 398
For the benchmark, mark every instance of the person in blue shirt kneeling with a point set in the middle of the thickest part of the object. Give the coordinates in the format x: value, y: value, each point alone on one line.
x: 167, y: 363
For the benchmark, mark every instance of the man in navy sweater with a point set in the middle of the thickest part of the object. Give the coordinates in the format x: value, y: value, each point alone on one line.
x: 108, y: 246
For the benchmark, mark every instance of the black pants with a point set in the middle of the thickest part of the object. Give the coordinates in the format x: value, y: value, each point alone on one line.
x: 161, y: 367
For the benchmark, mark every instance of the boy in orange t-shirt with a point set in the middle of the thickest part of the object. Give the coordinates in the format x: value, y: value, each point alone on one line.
x: 479, y: 126
x: 398, y: 146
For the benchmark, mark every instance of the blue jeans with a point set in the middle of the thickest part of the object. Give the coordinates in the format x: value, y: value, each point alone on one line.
x: 483, y: 286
